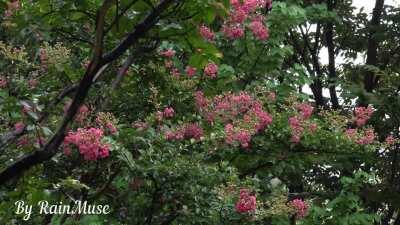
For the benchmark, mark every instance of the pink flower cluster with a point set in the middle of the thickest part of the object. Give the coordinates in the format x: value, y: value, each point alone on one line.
x: 247, y: 202
x: 233, y: 28
x: 211, y: 70
x: 190, y: 71
x: 367, y: 138
x: 88, y: 142
x: 185, y: 132
x: 167, y: 113
x: 364, y: 138
x: 206, y: 33
x: 260, y: 31
x: 3, y: 82
x: 107, y: 122
x: 298, y: 123
x: 19, y: 127
x: 242, y: 115
x: 362, y: 115
x: 301, y: 208
x: 11, y: 7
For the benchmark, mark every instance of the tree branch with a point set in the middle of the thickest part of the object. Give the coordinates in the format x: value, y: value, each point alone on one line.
x: 331, y: 55
x: 373, y: 45
x: 96, y: 67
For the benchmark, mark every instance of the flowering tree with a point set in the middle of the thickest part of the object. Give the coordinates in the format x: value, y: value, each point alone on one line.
x: 192, y: 112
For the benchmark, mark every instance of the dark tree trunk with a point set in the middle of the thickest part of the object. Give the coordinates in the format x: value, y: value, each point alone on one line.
x: 373, y: 45
x: 331, y: 53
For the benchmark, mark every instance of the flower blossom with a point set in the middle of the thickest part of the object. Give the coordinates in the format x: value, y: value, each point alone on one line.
x: 260, y: 31
x: 88, y: 141
x: 301, y: 208
x: 247, y: 202
x: 185, y: 132
x: 211, y: 70
x: 19, y: 127
x: 362, y: 115
x: 206, y: 33
x: 190, y: 71
x: 168, y: 112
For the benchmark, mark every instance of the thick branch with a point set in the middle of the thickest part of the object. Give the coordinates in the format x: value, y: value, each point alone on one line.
x: 331, y: 54
x: 140, y: 30
x: 96, y: 67
x: 373, y: 44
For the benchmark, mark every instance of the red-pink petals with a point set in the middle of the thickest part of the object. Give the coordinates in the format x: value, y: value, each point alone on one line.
x: 362, y: 115
x: 301, y: 208
x: 88, y: 141
x: 247, y: 202
x: 211, y: 70
x: 190, y: 71
x: 206, y: 33
x: 19, y: 127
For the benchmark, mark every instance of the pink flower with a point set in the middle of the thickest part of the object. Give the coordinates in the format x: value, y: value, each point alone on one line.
x: 247, y: 203
x: 259, y: 30
x: 32, y: 83
x: 301, y: 208
x: 368, y: 138
x: 238, y: 16
x: 19, y: 127
x: 362, y: 115
x: 296, y: 128
x: 112, y: 128
x: 206, y: 33
x: 306, y: 110
x: 169, y: 112
x: 201, y: 101
x: 192, y: 130
x: 235, y: 3
x: 88, y: 141
x: 169, y: 53
x: 235, y: 31
x: 390, y: 140
x: 351, y: 133
x: 175, y: 72
x: 190, y: 71
x: 3, y: 82
x: 250, y: 5
x: 268, y: 4
x: 294, y: 123
x: 211, y: 70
